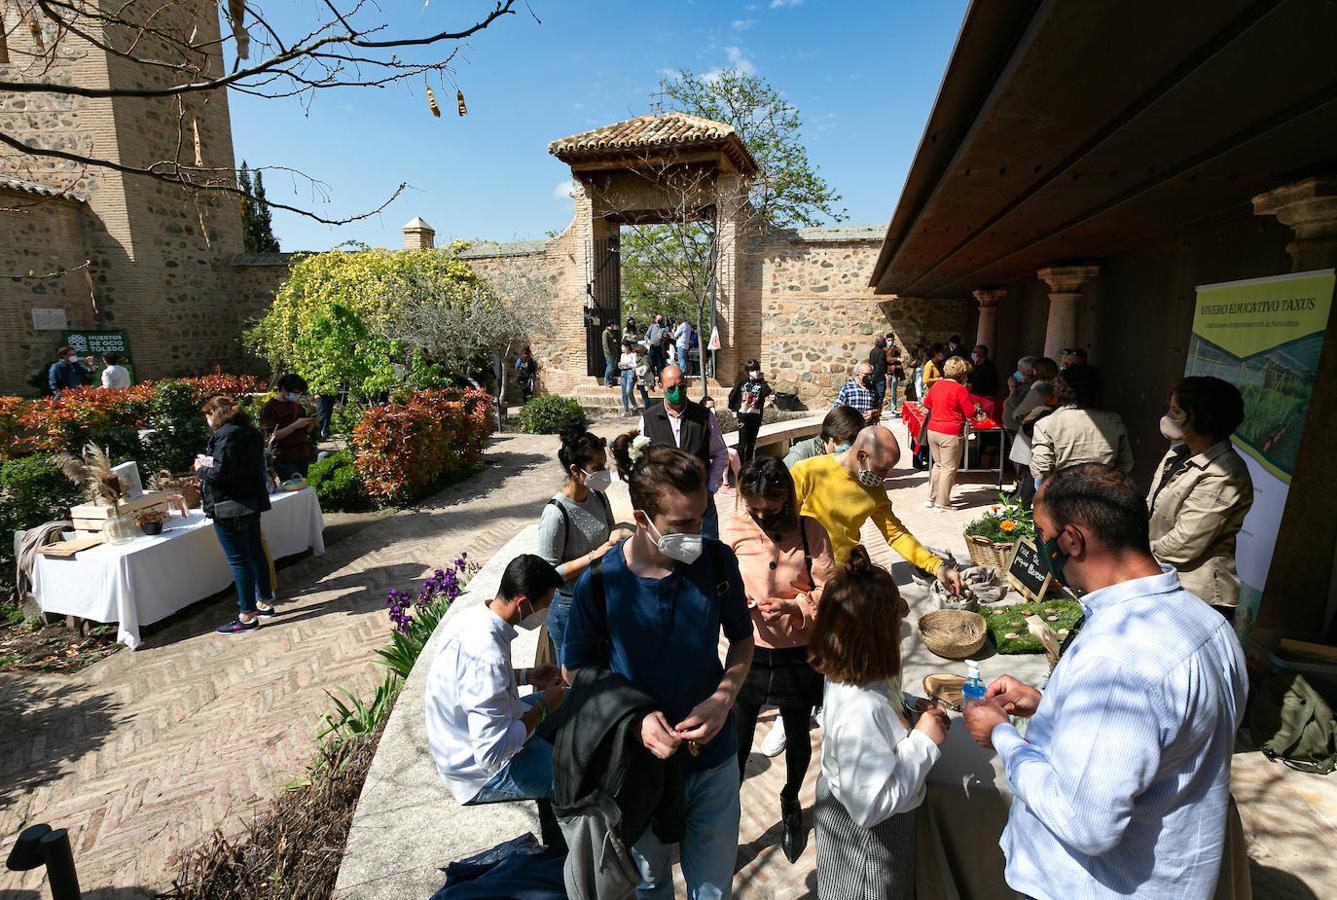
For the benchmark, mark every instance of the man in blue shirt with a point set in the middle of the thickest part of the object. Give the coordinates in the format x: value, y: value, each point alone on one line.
x: 858, y: 393
x: 1121, y: 783
x: 68, y: 372
x: 652, y: 609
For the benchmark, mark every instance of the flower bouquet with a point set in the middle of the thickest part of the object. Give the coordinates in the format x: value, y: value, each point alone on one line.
x: 152, y: 519
x: 992, y: 536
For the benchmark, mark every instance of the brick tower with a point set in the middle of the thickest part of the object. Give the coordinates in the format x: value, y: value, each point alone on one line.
x: 158, y: 254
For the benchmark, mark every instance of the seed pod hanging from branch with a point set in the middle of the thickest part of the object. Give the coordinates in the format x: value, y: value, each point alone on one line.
x: 459, y: 100
x: 36, y: 31
x: 236, y: 14
x: 431, y: 102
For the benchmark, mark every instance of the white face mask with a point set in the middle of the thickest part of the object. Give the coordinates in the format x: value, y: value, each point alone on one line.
x: 754, y: 374
x: 71, y: 358
x: 598, y: 481
x: 685, y: 548
x: 869, y: 478
x: 1172, y: 429
x: 535, y: 618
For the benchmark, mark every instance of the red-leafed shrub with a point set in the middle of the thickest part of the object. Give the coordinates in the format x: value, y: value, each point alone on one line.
x: 11, y: 412
x: 221, y: 384
x: 411, y: 445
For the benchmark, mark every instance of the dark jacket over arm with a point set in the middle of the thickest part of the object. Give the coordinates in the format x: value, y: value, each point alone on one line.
x: 238, y: 472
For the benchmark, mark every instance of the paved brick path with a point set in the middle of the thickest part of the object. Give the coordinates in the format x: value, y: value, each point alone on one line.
x: 145, y: 753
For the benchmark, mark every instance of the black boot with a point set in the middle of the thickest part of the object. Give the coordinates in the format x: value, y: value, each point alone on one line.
x: 795, y: 838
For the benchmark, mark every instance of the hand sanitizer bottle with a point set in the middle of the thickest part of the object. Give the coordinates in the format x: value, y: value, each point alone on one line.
x: 973, y: 689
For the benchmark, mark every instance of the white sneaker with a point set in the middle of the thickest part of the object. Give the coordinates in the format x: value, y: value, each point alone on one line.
x: 928, y: 504
x: 774, y: 742
x: 940, y: 509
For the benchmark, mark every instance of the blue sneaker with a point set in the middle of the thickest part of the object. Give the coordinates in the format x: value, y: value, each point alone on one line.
x: 267, y: 613
x: 237, y: 626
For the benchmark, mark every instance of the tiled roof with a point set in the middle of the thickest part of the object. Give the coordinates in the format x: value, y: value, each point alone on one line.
x: 670, y: 130
x: 20, y: 186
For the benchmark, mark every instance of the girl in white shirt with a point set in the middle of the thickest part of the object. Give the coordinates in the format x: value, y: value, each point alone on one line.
x: 874, y: 765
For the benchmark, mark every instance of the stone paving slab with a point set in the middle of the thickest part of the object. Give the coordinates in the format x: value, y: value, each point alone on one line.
x: 144, y: 754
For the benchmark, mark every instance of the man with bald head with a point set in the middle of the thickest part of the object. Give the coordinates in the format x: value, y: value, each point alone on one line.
x: 859, y: 393
x: 844, y: 490
x: 678, y: 422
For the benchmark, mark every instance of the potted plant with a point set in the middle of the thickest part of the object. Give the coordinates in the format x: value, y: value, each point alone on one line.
x: 151, y: 519
x: 991, y: 537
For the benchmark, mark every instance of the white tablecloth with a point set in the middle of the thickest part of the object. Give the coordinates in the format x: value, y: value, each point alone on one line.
x: 965, y: 808
x: 149, y: 578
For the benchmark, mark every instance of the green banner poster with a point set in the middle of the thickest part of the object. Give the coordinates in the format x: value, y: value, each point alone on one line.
x: 1264, y: 336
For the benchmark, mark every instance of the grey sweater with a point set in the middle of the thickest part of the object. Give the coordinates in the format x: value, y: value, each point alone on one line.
x: 585, y: 527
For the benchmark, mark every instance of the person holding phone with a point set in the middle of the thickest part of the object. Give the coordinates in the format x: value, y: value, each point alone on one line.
x: 286, y: 420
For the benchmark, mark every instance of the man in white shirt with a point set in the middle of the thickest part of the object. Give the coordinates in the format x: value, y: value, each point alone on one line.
x: 114, y: 375
x: 479, y: 729
x: 1122, y: 781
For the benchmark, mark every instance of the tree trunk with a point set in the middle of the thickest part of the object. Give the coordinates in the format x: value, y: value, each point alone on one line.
x: 500, y: 362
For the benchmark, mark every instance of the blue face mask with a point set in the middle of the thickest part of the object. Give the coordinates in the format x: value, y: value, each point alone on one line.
x: 294, y: 398
x: 841, y: 448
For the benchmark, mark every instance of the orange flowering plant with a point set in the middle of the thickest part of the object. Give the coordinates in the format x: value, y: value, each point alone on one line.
x: 1004, y: 522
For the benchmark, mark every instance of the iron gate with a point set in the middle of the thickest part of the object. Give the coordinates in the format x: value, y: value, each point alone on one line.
x: 604, y: 303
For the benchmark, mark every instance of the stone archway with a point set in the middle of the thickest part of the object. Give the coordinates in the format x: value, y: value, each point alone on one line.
x: 659, y: 169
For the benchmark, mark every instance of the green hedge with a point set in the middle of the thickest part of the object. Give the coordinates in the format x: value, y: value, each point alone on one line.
x: 338, y: 484
x: 545, y: 415
x: 33, y: 490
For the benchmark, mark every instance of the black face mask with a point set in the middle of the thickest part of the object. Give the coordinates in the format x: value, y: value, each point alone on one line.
x: 768, y: 522
x: 866, y: 381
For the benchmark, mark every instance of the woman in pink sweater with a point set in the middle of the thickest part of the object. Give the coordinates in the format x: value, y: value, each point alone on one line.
x: 785, y: 559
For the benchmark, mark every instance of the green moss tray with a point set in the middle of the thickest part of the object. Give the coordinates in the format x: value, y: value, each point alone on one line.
x: 1007, y: 624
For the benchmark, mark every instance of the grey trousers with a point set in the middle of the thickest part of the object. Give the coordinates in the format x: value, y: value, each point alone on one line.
x: 857, y: 863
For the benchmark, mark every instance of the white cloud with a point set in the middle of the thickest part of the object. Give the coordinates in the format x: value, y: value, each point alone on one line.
x: 738, y: 62
x: 777, y: 4
x: 565, y: 190
x: 742, y: 24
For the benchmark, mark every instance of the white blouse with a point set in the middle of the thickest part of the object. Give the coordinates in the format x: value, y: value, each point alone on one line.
x: 873, y: 765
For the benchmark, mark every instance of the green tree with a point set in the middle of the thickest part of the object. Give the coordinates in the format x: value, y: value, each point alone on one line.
x: 667, y: 268
x: 787, y: 192
x: 335, y: 320
x: 257, y: 220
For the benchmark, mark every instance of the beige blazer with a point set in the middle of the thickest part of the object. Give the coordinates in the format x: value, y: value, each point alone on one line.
x: 1195, y: 517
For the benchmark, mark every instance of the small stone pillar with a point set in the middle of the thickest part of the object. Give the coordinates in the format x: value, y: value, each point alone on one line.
x: 418, y: 235
x: 988, y: 325
x: 1065, y: 289
x: 1309, y: 208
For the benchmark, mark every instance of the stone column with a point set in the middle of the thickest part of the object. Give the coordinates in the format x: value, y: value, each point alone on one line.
x: 1303, y: 575
x: 1065, y: 290
x: 986, y: 332
x: 1309, y: 208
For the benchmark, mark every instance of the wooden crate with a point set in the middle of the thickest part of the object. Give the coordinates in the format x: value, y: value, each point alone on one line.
x: 92, y: 517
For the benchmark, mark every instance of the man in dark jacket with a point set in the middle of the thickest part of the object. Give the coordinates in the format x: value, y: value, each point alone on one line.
x: 678, y: 422
x: 610, y: 342
x: 68, y: 371
x: 983, y: 378
x: 878, y: 360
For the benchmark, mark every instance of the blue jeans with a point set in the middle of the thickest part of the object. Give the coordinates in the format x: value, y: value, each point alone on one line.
x: 892, y: 383
x: 880, y: 391
x: 526, y: 776
x: 559, y: 613
x: 708, y: 850
x: 628, y: 383
x: 286, y: 470
x: 609, y: 365
x: 246, y: 558
x: 710, y: 525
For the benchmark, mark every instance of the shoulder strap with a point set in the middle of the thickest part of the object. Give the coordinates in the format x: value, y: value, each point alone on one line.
x: 807, y: 554
x: 566, y: 522
x: 716, y: 551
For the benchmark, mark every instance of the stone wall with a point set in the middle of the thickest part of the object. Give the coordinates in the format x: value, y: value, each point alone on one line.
x: 42, y: 235
x: 158, y: 253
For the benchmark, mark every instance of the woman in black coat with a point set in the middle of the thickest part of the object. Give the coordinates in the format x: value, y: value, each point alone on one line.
x: 232, y: 482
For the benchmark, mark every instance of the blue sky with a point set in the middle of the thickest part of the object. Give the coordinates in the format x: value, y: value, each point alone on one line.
x: 863, y: 75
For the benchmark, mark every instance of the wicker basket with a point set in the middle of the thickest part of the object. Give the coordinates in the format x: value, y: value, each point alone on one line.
x: 984, y: 552
x: 953, y: 633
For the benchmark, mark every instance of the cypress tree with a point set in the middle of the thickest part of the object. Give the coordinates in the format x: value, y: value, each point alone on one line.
x: 264, y: 218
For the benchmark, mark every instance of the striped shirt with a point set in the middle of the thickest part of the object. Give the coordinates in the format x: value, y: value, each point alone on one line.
x: 1122, y: 781
x: 856, y: 395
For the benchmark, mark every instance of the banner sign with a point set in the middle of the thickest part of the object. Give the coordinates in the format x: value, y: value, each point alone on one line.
x: 1264, y: 336
x: 96, y: 343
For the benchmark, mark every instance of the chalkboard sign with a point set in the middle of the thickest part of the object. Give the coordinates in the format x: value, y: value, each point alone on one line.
x: 1026, y: 572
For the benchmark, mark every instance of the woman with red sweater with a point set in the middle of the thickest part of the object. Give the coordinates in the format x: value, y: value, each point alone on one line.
x: 949, y: 408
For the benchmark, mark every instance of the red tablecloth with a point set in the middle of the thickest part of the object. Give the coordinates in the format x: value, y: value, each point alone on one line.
x: 913, y: 416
